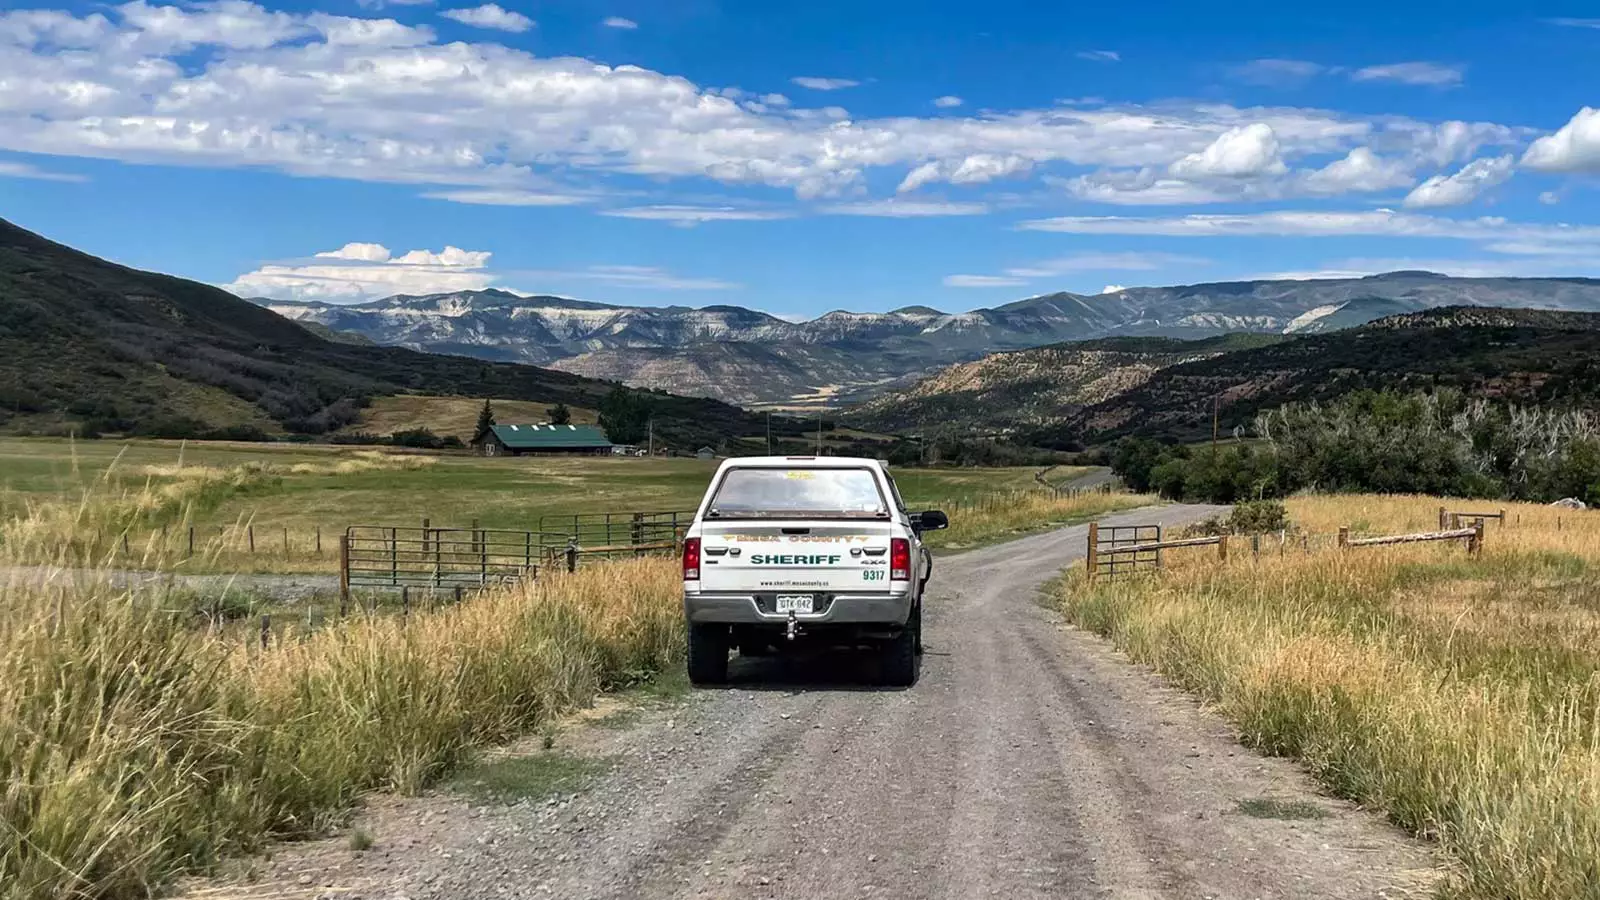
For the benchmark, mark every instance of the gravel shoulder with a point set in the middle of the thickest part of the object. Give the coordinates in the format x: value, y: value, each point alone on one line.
x: 1029, y: 761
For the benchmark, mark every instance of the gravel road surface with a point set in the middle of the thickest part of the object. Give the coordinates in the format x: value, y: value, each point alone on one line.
x: 1029, y: 761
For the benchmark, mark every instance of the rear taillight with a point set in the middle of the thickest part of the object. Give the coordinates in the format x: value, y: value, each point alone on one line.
x: 899, y: 559
x: 691, y: 559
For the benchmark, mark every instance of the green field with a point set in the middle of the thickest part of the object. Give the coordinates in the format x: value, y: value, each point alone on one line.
x: 450, y: 491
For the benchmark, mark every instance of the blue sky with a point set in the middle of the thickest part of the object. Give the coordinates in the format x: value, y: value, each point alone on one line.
x: 800, y: 157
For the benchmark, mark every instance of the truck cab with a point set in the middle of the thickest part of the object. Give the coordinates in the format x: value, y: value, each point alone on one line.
x: 800, y: 549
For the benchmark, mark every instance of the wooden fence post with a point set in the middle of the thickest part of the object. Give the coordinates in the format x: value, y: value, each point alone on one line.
x: 285, y: 542
x: 405, y: 603
x: 572, y: 556
x: 1475, y: 543
x: 266, y: 630
x: 1344, y: 536
x: 191, y: 540
x: 250, y: 534
x: 1093, y: 558
x: 1444, y: 520
x: 1502, y: 517
x: 1222, y: 548
x: 319, y: 540
x: 1255, y: 545
x: 124, y: 543
x: 344, y: 574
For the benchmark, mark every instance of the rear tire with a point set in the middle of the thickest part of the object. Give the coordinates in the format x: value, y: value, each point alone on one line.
x: 899, y: 656
x: 708, y: 654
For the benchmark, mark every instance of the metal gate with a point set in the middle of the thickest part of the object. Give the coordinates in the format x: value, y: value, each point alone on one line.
x: 389, y: 556
x: 1110, y: 562
x: 619, y: 532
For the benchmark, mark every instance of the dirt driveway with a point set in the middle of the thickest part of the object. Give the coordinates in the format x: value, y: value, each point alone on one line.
x: 1029, y: 761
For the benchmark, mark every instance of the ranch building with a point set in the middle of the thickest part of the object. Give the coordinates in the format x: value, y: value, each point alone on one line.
x: 545, y: 440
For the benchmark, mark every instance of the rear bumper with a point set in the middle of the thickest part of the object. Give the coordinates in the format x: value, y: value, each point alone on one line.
x: 839, y: 608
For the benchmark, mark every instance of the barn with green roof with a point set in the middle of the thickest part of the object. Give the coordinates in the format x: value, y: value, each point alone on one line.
x: 547, y: 440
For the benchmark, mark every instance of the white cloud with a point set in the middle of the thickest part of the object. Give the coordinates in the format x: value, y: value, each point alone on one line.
x: 380, y: 4
x: 1359, y: 171
x: 1077, y: 263
x: 1425, y: 74
x: 982, y: 281
x: 492, y: 16
x: 1145, y: 187
x: 823, y: 84
x: 1241, y: 152
x: 358, y: 252
x: 1549, y: 198
x: 358, y: 272
x: 1112, y: 289
x: 506, y: 197
x: 694, y: 215
x: 948, y: 101
x: 1492, y: 233
x: 619, y: 22
x: 1277, y: 71
x: 1103, y: 262
x: 1099, y: 55
x: 1575, y: 23
x: 978, y: 168
x: 234, y: 85
x: 642, y: 277
x: 906, y: 209
x: 25, y: 170
x: 1464, y: 186
x: 1573, y: 148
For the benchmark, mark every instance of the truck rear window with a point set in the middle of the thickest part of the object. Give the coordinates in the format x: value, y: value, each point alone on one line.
x: 785, y: 493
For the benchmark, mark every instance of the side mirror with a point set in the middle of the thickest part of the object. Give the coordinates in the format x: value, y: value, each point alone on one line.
x: 932, y: 520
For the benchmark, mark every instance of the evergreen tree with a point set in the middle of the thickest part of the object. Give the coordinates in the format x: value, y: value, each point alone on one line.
x: 560, y: 415
x: 485, y: 420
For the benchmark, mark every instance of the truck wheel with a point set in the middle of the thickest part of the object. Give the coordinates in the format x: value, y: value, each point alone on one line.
x: 900, y: 654
x: 708, y: 653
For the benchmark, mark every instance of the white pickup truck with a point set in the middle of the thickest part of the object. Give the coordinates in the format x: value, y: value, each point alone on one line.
x: 802, y: 548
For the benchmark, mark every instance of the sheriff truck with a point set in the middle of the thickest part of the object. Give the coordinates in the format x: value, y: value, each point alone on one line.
x: 801, y: 549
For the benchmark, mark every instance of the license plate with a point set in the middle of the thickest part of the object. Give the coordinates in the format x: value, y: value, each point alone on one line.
x: 795, y: 603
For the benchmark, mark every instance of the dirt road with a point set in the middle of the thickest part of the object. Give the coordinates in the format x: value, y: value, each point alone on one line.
x: 1029, y: 761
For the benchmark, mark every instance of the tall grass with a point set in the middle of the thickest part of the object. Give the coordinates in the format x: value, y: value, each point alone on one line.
x: 1004, y: 516
x: 1460, y: 696
x: 133, y: 747
x: 95, y: 524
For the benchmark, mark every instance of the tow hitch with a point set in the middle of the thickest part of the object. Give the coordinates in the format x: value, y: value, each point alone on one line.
x: 791, y: 628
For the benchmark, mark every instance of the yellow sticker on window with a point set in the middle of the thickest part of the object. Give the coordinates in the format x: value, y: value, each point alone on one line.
x: 799, y: 473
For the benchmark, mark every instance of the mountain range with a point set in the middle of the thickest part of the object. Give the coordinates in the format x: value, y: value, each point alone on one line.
x: 92, y: 346
x: 1086, y: 393
x: 841, y: 358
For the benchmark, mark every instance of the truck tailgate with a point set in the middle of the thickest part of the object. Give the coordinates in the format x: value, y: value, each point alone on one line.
x: 756, y: 557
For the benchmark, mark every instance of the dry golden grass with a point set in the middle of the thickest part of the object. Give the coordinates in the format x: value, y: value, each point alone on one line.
x: 133, y: 747
x: 1459, y: 695
x: 1000, y: 517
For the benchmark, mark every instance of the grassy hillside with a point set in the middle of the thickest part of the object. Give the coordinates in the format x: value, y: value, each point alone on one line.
x: 90, y: 343
x: 1522, y: 355
x: 1026, y: 389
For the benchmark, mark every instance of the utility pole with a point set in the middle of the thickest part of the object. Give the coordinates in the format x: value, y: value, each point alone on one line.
x: 650, y: 426
x: 769, y: 432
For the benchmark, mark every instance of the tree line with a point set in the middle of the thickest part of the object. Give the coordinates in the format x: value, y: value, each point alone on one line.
x: 1441, y: 442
